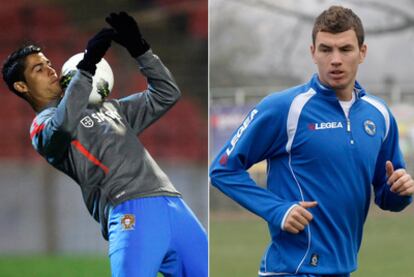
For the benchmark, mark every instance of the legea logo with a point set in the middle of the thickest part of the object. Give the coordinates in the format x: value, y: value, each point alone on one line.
x: 240, y: 131
x: 325, y: 125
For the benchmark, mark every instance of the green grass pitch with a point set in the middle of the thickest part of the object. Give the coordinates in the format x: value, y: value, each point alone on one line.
x: 48, y: 266
x: 53, y: 266
x: 237, y: 244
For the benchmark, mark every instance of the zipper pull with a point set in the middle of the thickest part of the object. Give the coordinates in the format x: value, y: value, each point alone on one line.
x: 348, y: 125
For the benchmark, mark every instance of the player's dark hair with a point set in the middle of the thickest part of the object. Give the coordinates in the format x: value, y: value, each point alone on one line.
x: 338, y: 19
x: 15, y: 64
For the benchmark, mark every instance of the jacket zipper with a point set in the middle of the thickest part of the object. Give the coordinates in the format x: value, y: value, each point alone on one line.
x: 348, y: 128
x: 348, y: 121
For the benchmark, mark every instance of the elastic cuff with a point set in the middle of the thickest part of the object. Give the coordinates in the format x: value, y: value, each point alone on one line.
x: 87, y: 66
x: 285, y: 216
x: 139, y: 48
x: 146, y: 58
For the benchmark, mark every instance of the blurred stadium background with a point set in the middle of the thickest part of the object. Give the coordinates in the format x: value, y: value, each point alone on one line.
x: 262, y: 46
x: 44, y: 221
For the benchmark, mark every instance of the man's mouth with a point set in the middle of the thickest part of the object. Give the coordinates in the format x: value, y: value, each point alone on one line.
x: 336, y: 74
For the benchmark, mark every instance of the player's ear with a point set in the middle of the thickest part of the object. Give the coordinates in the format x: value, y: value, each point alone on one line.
x: 312, y: 51
x: 362, y: 53
x: 21, y: 87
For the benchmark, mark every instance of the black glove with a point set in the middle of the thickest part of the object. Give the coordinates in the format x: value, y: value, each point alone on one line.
x: 96, y: 49
x: 127, y: 33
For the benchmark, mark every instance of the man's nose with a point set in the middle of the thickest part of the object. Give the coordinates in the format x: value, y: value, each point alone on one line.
x: 336, y: 58
x: 52, y: 71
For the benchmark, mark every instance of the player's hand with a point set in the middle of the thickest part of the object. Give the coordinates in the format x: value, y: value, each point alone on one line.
x: 128, y: 33
x: 399, y: 180
x: 96, y: 49
x: 299, y: 217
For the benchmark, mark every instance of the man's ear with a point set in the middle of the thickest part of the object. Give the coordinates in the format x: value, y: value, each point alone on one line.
x: 362, y: 53
x: 21, y: 87
x: 312, y: 50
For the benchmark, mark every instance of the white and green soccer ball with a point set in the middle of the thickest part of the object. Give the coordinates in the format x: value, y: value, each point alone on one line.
x: 103, y: 80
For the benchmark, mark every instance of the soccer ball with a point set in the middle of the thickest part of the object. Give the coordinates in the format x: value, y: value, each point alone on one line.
x: 103, y: 80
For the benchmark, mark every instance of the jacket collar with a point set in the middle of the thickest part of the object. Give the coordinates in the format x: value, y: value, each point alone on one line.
x: 329, y: 92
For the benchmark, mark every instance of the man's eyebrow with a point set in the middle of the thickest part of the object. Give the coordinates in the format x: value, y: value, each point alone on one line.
x: 328, y: 46
x: 324, y: 45
x: 346, y: 46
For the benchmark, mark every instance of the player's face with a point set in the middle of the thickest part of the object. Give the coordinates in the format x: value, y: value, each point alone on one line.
x: 41, y: 79
x: 338, y: 57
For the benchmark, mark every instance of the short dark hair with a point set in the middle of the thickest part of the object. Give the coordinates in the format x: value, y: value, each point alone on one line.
x: 338, y: 19
x: 15, y: 64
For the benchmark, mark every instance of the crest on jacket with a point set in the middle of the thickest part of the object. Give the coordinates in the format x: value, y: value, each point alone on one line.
x: 370, y: 127
x: 87, y: 122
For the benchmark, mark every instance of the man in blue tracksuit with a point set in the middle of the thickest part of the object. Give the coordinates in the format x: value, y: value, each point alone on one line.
x: 325, y: 143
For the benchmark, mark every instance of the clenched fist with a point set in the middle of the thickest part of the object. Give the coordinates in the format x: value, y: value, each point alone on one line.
x: 299, y: 217
x: 400, y: 181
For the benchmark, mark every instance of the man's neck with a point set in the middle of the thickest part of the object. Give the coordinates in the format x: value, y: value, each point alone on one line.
x: 43, y: 105
x: 344, y: 94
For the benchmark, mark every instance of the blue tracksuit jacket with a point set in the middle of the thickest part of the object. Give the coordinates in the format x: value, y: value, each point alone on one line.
x: 313, y: 153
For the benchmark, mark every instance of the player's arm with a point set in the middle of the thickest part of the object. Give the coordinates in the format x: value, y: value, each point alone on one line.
x: 53, y: 129
x: 142, y: 109
x: 393, y: 186
x: 261, y: 136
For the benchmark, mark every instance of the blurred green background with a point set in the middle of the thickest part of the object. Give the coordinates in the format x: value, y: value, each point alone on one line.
x: 52, y: 266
